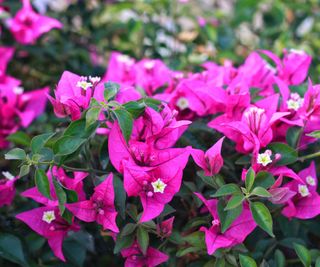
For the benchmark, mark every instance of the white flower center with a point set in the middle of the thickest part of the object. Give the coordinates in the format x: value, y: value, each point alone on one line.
x: 303, y: 190
x: 158, y: 186
x: 182, y: 103
x: 295, y: 102
x: 125, y: 59
x: 18, y: 90
x: 84, y: 84
x: 264, y: 158
x: 149, y: 65
x: 8, y: 175
x: 48, y: 216
x: 311, y: 181
x: 95, y: 79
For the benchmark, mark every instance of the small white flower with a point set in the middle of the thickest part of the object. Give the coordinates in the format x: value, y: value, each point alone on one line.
x: 182, y: 103
x: 264, y: 158
x: 84, y: 84
x: 48, y: 216
x: 125, y: 59
x: 94, y: 80
x: 18, y: 90
x: 295, y: 102
x: 303, y: 190
x: 215, y: 222
x: 8, y: 175
x: 158, y: 186
x: 149, y: 65
x: 311, y: 181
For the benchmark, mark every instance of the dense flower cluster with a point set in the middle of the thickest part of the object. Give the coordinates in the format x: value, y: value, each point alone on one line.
x: 251, y: 105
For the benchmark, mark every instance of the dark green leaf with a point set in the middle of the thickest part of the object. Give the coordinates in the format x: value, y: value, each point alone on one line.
x: 92, y: 116
x: 206, y: 179
x: 246, y: 159
x: 42, y: 183
x: 262, y: 216
x: 235, y: 201
x: 123, y: 242
x: 279, y: 258
x: 120, y: 196
x: 104, y: 155
x: 39, y: 141
x: 24, y: 170
x: 134, y: 108
x: 62, y: 197
x: 227, y: 189
x: 303, y: 254
x: 19, y: 138
x: 260, y: 191
x: 74, y: 252
x: 250, y: 179
x: 128, y: 229
x: 315, y: 134
x: 227, y: 217
x: 15, y: 154
x: 66, y: 145
x: 264, y: 179
x: 11, y: 249
x: 246, y: 261
x: 78, y: 129
x: 292, y: 136
x: 143, y: 239
x: 125, y: 121
x: 288, y: 154
x: 110, y: 90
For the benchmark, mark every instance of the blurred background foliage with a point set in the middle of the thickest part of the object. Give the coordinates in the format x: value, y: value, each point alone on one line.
x: 184, y: 34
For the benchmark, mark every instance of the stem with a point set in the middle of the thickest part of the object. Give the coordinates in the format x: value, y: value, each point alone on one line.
x: 83, y: 169
x: 310, y: 156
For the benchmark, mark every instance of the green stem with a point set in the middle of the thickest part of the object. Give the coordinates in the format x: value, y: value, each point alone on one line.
x: 310, y: 156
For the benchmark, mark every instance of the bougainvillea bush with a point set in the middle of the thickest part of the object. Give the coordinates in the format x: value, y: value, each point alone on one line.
x: 147, y: 165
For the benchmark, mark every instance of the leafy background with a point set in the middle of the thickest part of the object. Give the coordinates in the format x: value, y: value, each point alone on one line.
x: 170, y: 30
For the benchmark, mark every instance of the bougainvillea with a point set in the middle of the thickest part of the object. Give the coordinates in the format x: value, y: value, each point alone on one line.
x: 211, y: 165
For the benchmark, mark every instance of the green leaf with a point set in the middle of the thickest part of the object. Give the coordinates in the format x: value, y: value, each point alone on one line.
x: 62, y: 197
x: 246, y: 261
x: 125, y: 121
x: 66, y: 145
x: 288, y: 154
x: 260, y: 191
x: 206, y: 179
x: 243, y: 160
x: 250, y: 179
x: 235, y: 201
x: 264, y: 179
x: 74, y: 252
x: 262, y: 216
x: 303, y: 254
x: 120, y: 196
x: 39, y: 141
x: 227, y: 217
x: 104, y: 155
x: 92, y: 116
x: 110, y: 90
x: 151, y: 102
x: 292, y: 136
x: 11, y: 249
x: 78, y: 129
x: 220, y: 262
x: 128, y: 229
x: 143, y: 239
x: 42, y: 183
x: 15, y: 154
x: 123, y: 242
x: 315, y: 134
x: 19, y: 138
x: 227, y: 189
x: 317, y: 262
x: 24, y: 170
x: 134, y: 108
x: 279, y: 258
